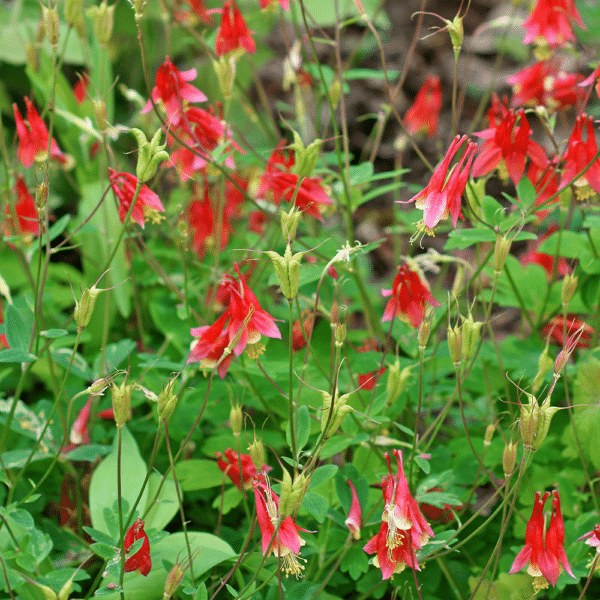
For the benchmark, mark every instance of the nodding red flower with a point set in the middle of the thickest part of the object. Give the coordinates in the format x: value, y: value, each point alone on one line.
x: 204, y: 132
x: 403, y: 530
x: 33, y: 137
x: 231, y: 326
x: 79, y: 435
x: 591, y: 79
x: 554, y: 328
x: 424, y: 114
x: 172, y: 89
x: 81, y: 87
x: 233, y: 34
x: 354, y: 520
x: 27, y: 222
x: 579, y: 154
x: 442, y: 195
x: 280, y: 183
x: 592, y: 538
x: 308, y: 321
x: 147, y: 204
x: 287, y: 543
x: 543, y: 559
x: 231, y: 466
x: 550, y: 22
x: 141, y: 559
x: 408, y: 297
x: 507, y: 144
x: 545, y: 260
x: 545, y: 182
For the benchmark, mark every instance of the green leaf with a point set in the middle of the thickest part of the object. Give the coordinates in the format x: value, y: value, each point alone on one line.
x: 20, y: 517
x: 18, y: 323
x: 355, y: 563
x: 526, y: 192
x: 88, y: 453
x: 201, y: 593
x: 322, y: 474
x: 198, y: 474
x: 103, y: 486
x: 99, y: 536
x: 303, y: 427
x: 52, y: 334
x: 316, y: 506
x: 338, y: 443
x: 326, y: 14
x: 572, y: 244
x: 166, y: 505
x: 104, y: 550
x: 12, y: 355
x: 589, y: 291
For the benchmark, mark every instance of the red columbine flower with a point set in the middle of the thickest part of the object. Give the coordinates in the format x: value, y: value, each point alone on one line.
x: 442, y: 195
x: 507, y: 144
x: 27, y: 222
x: 141, y: 559
x: 554, y: 328
x: 287, y: 543
x: 81, y: 87
x: 233, y: 33
x: 172, y: 88
x: 545, y: 260
x: 231, y: 466
x: 550, y: 22
x: 213, y: 340
x: 147, y: 204
x: 33, y: 137
x: 579, y: 154
x: 543, y: 559
x: 545, y: 182
x: 308, y: 321
x: 424, y: 114
x: 408, y: 297
x: 354, y: 520
x: 280, y: 183
x: 592, y: 538
x: 403, y: 530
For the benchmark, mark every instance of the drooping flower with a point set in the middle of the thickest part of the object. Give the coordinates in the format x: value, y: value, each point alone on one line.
x: 141, y: 559
x: 403, y: 531
x: 442, y: 195
x: 424, y: 114
x: 147, y: 204
x: 80, y: 88
x: 172, y: 88
x: 33, y: 137
x: 554, y: 328
x: 231, y: 466
x: 79, y: 435
x: 308, y: 321
x: 233, y: 35
x: 579, y: 154
x: 27, y: 221
x: 354, y: 520
x: 550, y: 23
x: 592, y: 538
x: 543, y: 557
x: 279, y: 182
x: 545, y: 260
x: 507, y: 144
x: 528, y: 84
x: 242, y: 324
x: 408, y: 297
x: 287, y: 543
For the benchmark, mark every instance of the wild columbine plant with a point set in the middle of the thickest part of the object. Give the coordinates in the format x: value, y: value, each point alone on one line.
x: 248, y: 179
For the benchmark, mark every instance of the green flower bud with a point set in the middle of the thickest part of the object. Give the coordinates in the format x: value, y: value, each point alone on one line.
x: 423, y: 333
x: 501, y: 250
x: 173, y: 580
x: 335, y: 92
x: 150, y: 154
x: 455, y: 344
x: 456, y: 31
x: 103, y: 17
x: 289, y: 223
x: 257, y: 452
x: 225, y: 68
x: 41, y: 196
x: 535, y: 421
x: 489, y: 434
x: 284, y: 497
x: 74, y: 15
x: 100, y: 114
x: 306, y: 158
x: 236, y: 418
x: 569, y: 286
x: 167, y: 401
x: 396, y: 382
x: 97, y: 388
x: 509, y: 458
x: 121, y: 401
x: 333, y: 417
x: 85, y: 307
x: 470, y: 336
x: 287, y: 269
x: 50, y: 17
x: 545, y: 365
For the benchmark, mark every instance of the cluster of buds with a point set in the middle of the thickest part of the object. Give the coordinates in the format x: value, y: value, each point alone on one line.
x: 150, y: 154
x: 287, y: 269
x: 535, y: 421
x: 334, y: 412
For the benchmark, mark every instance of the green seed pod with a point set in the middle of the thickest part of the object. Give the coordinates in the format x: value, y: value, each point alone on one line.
x: 121, y: 401
x: 455, y: 344
x: 167, y: 401
x: 501, y: 250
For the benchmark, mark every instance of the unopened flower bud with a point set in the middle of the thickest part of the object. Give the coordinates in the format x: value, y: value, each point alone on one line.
x: 236, y: 418
x: 509, y: 458
x: 121, y: 401
x: 225, y: 68
x: 423, y: 333
x: 97, y: 388
x: 100, y: 114
x: 569, y: 286
x: 50, y: 16
x: 545, y: 364
x: 396, y: 382
x: 470, y: 336
x: 335, y: 92
x: 456, y: 31
x: 289, y: 223
x: 85, y: 307
x: 103, y: 17
x: 489, y: 434
x: 501, y: 250
x: 339, y: 334
x: 41, y: 195
x: 459, y: 280
x: 287, y: 269
x: 167, y: 401
x: 173, y: 580
x: 257, y: 452
x: 455, y: 344
x: 305, y: 157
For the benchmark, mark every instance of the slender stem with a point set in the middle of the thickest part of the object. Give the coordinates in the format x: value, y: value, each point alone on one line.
x: 120, y: 504
x: 290, y: 399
